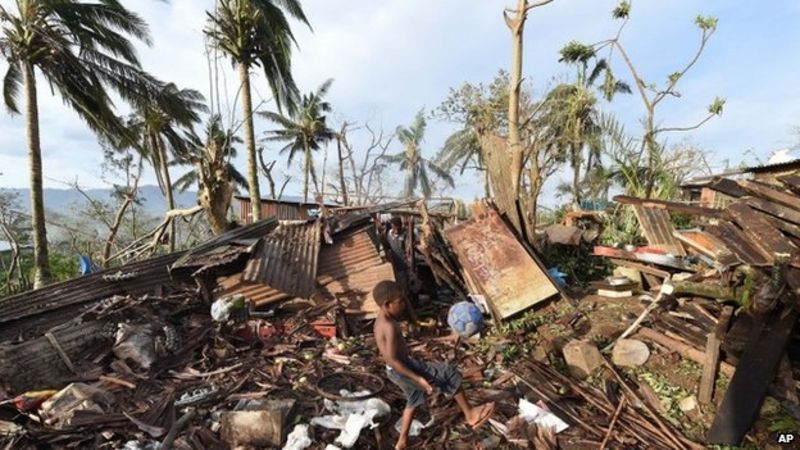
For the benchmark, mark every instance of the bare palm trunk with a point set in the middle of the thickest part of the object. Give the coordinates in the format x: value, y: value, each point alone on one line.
x: 576, y: 178
x: 342, y: 184
x: 170, y: 196
x: 41, y: 262
x: 487, y: 191
x: 306, y: 172
x: 517, y: 27
x: 250, y: 143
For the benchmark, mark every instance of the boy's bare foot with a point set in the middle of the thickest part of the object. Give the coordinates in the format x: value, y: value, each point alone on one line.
x: 480, y: 414
x: 401, y: 444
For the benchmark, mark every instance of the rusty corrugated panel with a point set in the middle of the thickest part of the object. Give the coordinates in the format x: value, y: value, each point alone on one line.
x: 351, y: 267
x: 287, y: 259
x: 355, y: 288
x: 57, y: 303
x: 259, y: 294
x: 708, y: 245
x: 657, y: 227
x: 510, y: 278
x: 350, y: 253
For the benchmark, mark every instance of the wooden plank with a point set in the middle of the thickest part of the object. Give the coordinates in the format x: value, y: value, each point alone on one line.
x: 708, y: 379
x: 773, y: 195
x: 657, y: 227
x: 671, y: 206
x: 774, y: 209
x: 792, y: 182
x: 507, y: 274
x: 761, y: 231
x: 641, y: 268
x: 754, y: 373
x: 739, y: 244
x: 708, y: 245
x: 727, y: 187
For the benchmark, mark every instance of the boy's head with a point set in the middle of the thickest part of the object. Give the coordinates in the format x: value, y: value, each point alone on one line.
x: 389, y: 298
x: 397, y: 223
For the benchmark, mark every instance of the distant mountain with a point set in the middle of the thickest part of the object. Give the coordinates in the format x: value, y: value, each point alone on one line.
x: 64, y: 200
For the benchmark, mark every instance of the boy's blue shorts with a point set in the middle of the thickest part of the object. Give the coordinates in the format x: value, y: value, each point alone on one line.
x: 443, y: 376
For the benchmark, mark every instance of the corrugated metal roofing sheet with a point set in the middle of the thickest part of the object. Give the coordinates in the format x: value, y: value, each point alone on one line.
x: 287, y: 259
x: 349, y: 254
x: 259, y: 294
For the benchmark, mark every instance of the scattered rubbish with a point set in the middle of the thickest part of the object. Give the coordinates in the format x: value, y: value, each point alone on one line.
x: 538, y: 414
x: 141, y: 445
x: 416, y: 426
x: 135, y: 343
x: 351, y: 416
x: 298, y: 439
x: 222, y: 308
x: 688, y: 404
x: 60, y: 409
x: 559, y: 277
x: 256, y: 422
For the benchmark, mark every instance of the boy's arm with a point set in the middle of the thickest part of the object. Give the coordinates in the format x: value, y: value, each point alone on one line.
x: 397, y: 365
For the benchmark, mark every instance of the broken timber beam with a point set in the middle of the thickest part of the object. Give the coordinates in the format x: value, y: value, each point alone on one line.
x: 792, y: 182
x: 761, y: 231
x: 727, y: 187
x: 773, y: 195
x: 739, y: 243
x: 711, y: 360
x: 641, y: 267
x: 774, y: 209
x: 754, y: 373
x: 670, y: 206
x: 685, y: 350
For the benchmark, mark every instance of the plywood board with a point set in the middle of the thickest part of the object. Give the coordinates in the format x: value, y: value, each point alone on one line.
x: 505, y: 272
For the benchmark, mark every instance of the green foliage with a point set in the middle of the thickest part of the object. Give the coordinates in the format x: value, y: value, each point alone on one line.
x: 674, y: 77
x: 668, y: 395
x: 576, y: 52
x: 257, y: 33
x: 783, y: 424
x: 622, y: 10
x: 716, y: 106
x: 411, y: 161
x: 706, y: 23
x: 576, y: 261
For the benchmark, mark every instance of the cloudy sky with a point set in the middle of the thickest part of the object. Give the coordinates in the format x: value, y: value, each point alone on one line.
x: 389, y: 58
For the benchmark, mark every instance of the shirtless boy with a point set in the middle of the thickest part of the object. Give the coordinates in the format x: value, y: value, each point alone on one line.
x: 414, y: 377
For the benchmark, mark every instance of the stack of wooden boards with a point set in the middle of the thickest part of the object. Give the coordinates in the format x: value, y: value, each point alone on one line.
x: 746, y: 255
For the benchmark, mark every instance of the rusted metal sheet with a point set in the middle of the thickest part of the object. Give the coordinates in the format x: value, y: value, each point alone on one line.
x: 355, y: 288
x: 728, y: 187
x: 670, y: 206
x: 657, y: 227
x: 287, y: 259
x: 761, y: 231
x: 739, y: 243
x: 57, y: 303
x: 507, y: 274
x: 350, y: 253
x: 259, y: 294
x: 351, y: 267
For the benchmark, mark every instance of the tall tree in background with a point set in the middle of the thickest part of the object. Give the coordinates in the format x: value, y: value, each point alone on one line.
x: 157, y: 132
x: 413, y: 163
x: 573, y: 116
x: 651, y: 152
x: 257, y: 33
x: 81, y: 49
x: 213, y: 172
x: 304, y: 131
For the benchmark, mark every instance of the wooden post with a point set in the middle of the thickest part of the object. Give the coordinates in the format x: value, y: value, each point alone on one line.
x: 707, y: 381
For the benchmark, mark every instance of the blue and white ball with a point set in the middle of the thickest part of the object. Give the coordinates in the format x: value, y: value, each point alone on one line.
x: 465, y: 319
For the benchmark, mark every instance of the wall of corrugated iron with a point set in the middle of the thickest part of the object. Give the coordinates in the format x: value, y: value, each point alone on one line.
x: 657, y: 227
x: 272, y: 210
x: 350, y: 253
x: 287, y: 259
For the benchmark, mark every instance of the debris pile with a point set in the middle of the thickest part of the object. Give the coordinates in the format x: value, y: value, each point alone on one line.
x: 725, y: 293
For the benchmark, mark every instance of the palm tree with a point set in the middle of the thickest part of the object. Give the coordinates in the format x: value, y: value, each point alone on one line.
x: 81, y: 49
x: 156, y: 132
x: 572, y: 113
x: 413, y: 163
x: 215, y: 176
x: 304, y: 131
x: 256, y: 33
x: 460, y: 149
